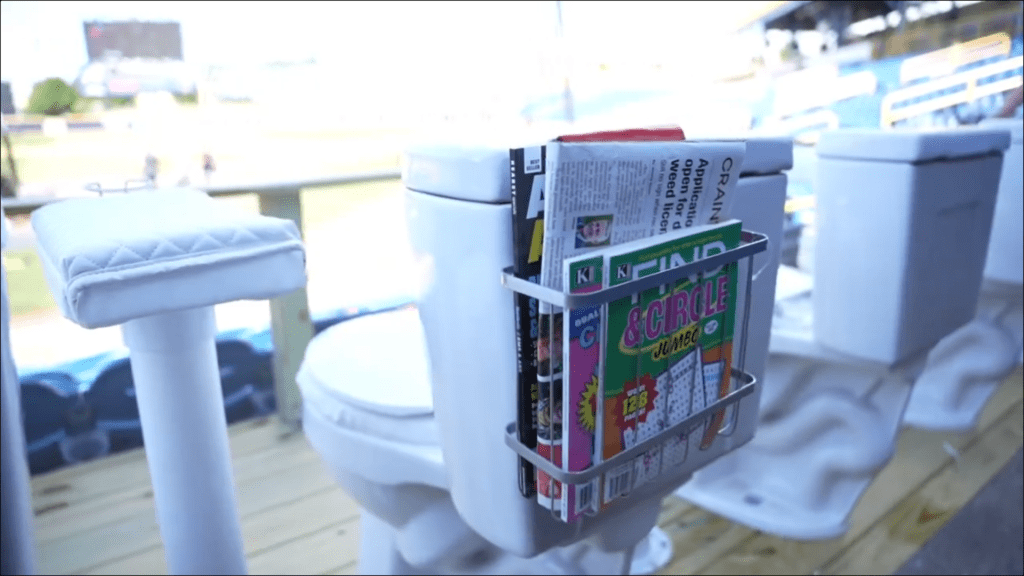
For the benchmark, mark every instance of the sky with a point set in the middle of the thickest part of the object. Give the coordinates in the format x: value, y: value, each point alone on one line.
x: 395, y: 43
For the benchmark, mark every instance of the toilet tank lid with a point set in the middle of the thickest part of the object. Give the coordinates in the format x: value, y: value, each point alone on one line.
x: 911, y: 145
x: 477, y: 167
x: 1014, y: 125
x: 467, y: 165
x: 377, y: 362
x: 764, y: 155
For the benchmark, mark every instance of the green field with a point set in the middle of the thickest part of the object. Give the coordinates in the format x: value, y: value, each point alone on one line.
x: 240, y: 143
x: 26, y: 286
x: 293, y: 154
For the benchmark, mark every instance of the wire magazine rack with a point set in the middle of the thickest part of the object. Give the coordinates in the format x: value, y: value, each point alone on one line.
x: 742, y: 383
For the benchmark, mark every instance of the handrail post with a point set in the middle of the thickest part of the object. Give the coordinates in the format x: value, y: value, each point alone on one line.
x: 290, y: 324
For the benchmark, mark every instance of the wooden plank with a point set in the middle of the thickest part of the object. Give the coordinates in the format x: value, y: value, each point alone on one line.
x: 118, y: 471
x: 324, y: 550
x: 261, y: 532
x: 699, y: 538
x: 919, y: 456
x: 898, y: 535
x: 64, y: 518
x: 672, y: 508
x: 350, y: 567
x: 82, y: 550
x: 291, y: 327
x: 102, y: 489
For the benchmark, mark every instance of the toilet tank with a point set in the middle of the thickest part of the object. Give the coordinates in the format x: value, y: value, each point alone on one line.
x: 1005, y: 262
x: 760, y: 205
x: 460, y: 224
x: 903, y: 223
x: 458, y: 209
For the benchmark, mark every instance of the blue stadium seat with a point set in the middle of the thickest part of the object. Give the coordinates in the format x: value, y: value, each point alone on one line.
x: 239, y: 367
x: 112, y: 397
x: 46, y: 397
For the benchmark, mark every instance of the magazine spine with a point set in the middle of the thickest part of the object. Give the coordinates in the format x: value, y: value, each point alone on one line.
x: 526, y: 382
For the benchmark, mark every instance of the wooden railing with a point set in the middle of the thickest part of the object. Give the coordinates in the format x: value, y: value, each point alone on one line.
x: 290, y: 322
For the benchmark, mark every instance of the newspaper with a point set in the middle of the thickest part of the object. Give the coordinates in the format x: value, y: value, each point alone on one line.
x: 604, y: 193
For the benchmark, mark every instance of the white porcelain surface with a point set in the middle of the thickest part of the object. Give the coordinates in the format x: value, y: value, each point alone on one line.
x: 906, y: 146
x: 826, y: 427
x: 1005, y: 261
x: 964, y: 369
x: 895, y: 239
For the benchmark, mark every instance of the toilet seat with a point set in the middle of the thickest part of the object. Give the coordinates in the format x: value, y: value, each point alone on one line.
x: 367, y: 399
x: 353, y: 379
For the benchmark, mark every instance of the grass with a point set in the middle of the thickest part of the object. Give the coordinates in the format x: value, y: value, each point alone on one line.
x: 26, y: 284
x: 241, y: 139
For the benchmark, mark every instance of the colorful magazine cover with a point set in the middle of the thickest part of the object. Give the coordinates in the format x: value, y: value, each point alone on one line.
x: 666, y: 349
x: 583, y: 340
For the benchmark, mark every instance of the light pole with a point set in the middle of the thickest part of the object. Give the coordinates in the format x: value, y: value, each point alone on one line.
x: 567, y: 92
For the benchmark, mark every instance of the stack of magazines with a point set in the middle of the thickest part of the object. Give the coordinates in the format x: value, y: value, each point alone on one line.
x: 595, y: 211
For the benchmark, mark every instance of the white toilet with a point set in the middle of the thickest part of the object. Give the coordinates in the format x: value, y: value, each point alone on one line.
x: 383, y: 445
x: 409, y: 408
x: 903, y: 221
x: 966, y: 367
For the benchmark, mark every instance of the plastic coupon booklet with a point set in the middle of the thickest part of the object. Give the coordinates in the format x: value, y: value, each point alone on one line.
x: 667, y: 351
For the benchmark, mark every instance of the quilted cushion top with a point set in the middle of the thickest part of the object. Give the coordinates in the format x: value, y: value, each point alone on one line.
x: 86, y: 236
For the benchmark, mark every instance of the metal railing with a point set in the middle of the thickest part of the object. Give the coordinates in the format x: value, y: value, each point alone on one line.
x: 960, y: 88
x: 290, y: 322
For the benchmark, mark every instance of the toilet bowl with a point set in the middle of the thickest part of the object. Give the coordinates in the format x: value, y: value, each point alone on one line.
x: 890, y: 283
x: 368, y: 412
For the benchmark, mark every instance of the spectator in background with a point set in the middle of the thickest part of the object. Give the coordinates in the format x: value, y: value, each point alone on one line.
x: 208, y: 166
x: 152, y: 169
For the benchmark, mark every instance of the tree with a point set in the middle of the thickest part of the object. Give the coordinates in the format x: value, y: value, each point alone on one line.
x: 52, y: 97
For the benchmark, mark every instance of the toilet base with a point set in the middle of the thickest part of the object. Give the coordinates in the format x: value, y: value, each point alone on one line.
x: 827, y: 425
x: 1004, y: 304
x: 379, y: 554
x: 652, y: 554
x: 963, y: 371
x: 805, y: 470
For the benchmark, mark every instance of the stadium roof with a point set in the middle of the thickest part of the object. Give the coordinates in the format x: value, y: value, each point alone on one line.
x: 806, y: 15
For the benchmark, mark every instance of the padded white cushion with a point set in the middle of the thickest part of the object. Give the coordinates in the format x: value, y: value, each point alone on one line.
x: 371, y: 375
x: 124, y: 256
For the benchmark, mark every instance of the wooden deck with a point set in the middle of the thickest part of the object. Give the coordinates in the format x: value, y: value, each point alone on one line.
x: 98, y: 518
